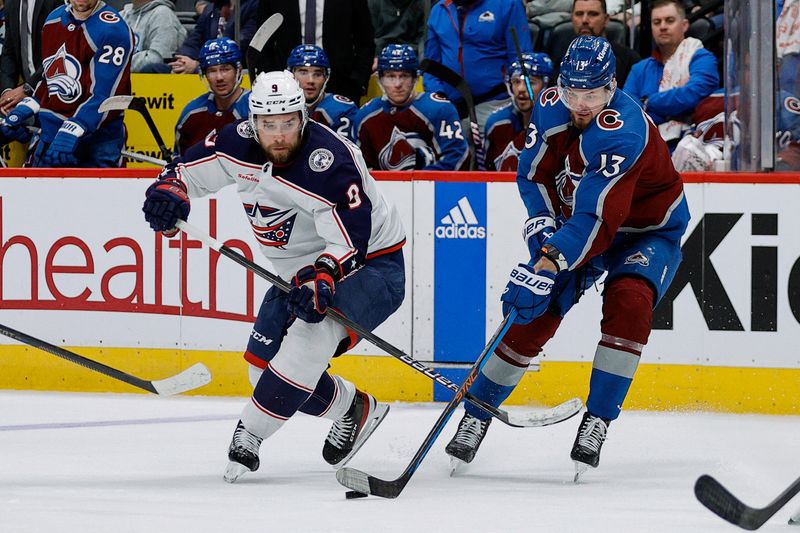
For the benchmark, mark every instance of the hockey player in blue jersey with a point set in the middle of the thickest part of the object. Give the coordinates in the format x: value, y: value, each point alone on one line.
x: 505, y: 127
x: 603, y: 197
x: 405, y: 130
x: 322, y: 222
x: 311, y: 68
x: 226, y: 100
x: 86, y: 48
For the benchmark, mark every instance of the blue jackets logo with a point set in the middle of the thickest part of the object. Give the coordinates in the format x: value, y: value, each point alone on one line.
x: 460, y: 223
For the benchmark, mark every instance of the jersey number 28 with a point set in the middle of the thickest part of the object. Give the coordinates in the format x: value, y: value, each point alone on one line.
x: 112, y: 55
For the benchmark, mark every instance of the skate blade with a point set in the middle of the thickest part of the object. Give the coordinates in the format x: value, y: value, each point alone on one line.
x: 233, y: 471
x: 456, y: 465
x: 381, y: 410
x: 580, y: 468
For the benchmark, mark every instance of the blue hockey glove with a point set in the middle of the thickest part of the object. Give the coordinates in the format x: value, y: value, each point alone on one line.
x: 61, y: 152
x: 536, y: 232
x: 311, y: 294
x: 424, y: 157
x: 165, y: 202
x: 14, y: 125
x: 527, y: 292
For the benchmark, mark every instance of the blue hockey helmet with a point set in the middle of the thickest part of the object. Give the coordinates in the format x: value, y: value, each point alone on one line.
x: 536, y: 64
x: 588, y: 63
x: 398, y: 57
x: 220, y: 51
x: 308, y: 55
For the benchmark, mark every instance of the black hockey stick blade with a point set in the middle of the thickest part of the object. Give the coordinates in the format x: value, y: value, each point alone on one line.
x: 260, y: 38
x: 139, y: 104
x: 367, y: 484
x: 193, y: 377
x: 721, y: 502
x: 517, y: 419
x: 451, y: 77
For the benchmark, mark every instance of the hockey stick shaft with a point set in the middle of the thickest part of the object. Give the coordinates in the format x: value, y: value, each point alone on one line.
x: 187, y: 380
x: 367, y: 484
x: 721, y: 502
x: 450, y: 77
x: 139, y: 104
x: 522, y: 63
x: 260, y: 38
x: 341, y: 319
x: 143, y: 158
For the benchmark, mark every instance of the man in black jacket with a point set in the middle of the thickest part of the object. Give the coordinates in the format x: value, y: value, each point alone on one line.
x: 347, y: 37
x: 13, y: 67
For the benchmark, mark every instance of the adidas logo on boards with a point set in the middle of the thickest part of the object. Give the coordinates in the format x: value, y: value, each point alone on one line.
x: 460, y: 223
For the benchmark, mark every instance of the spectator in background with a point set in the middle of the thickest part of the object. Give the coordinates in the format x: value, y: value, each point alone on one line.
x: 590, y: 17
x: 226, y: 100
x: 397, y: 22
x: 157, y: 29
x: 21, y: 59
x: 218, y: 20
x: 343, y: 28
x: 311, y: 68
x: 404, y: 130
x: 473, y: 38
x: 680, y: 73
x: 2, y: 25
x: 506, y: 127
x: 73, y: 132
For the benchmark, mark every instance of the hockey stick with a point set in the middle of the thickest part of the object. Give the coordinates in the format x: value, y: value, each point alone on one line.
x: 450, y: 77
x: 193, y: 377
x: 554, y: 415
x: 364, y: 483
x: 720, y: 501
x: 260, y: 38
x: 138, y: 104
x: 143, y: 158
x: 522, y: 64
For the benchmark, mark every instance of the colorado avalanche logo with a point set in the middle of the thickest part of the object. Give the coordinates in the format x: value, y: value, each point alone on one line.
x: 565, y: 187
x: 320, y: 160
x: 792, y: 105
x: 271, y: 226
x: 400, y: 153
x: 63, y: 73
x: 508, y: 160
x: 108, y: 17
x: 637, y: 259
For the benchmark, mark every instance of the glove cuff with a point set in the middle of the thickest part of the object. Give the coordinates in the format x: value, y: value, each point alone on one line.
x: 327, y: 263
x: 30, y: 103
x: 554, y: 254
x: 536, y: 224
x: 72, y: 128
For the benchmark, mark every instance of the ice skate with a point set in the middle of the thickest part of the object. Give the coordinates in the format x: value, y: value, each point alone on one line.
x: 242, y: 453
x: 588, y: 442
x: 464, y: 444
x: 352, y: 430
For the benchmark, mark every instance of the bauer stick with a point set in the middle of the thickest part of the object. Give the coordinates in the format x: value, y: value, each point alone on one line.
x: 138, y: 104
x: 522, y: 64
x: 260, y: 38
x: 450, y: 77
x: 721, y: 502
x: 193, y: 377
x: 365, y: 484
x: 553, y: 415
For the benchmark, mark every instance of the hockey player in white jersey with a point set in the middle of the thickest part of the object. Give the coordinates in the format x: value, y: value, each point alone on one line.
x: 322, y: 222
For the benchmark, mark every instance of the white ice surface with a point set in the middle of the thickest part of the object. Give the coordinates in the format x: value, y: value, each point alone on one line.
x: 166, y: 476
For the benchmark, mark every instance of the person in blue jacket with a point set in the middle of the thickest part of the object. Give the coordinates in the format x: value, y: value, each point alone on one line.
x: 473, y: 38
x: 679, y: 74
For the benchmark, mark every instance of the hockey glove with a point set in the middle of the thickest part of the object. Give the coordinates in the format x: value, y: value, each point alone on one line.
x: 165, y: 202
x: 536, y: 232
x: 311, y: 294
x: 13, y: 127
x: 527, y: 292
x: 424, y: 157
x: 61, y: 152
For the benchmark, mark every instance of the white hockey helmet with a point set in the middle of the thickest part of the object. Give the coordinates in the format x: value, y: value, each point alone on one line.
x: 276, y: 93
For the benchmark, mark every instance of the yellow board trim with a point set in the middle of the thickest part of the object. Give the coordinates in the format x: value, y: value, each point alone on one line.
x: 656, y: 387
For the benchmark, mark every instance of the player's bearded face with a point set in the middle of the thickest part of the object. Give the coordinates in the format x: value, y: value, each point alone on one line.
x: 221, y: 79
x: 279, y: 135
x: 585, y: 104
x: 398, y: 86
x: 311, y: 80
x: 520, y: 91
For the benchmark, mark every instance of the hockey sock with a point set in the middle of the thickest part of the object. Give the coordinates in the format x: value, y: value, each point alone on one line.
x: 506, y: 366
x: 625, y: 328
x: 331, y: 398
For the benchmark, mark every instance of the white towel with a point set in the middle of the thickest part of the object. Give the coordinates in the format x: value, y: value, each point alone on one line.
x: 676, y: 74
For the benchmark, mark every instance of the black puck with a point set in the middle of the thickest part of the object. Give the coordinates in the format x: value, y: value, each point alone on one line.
x: 352, y: 494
